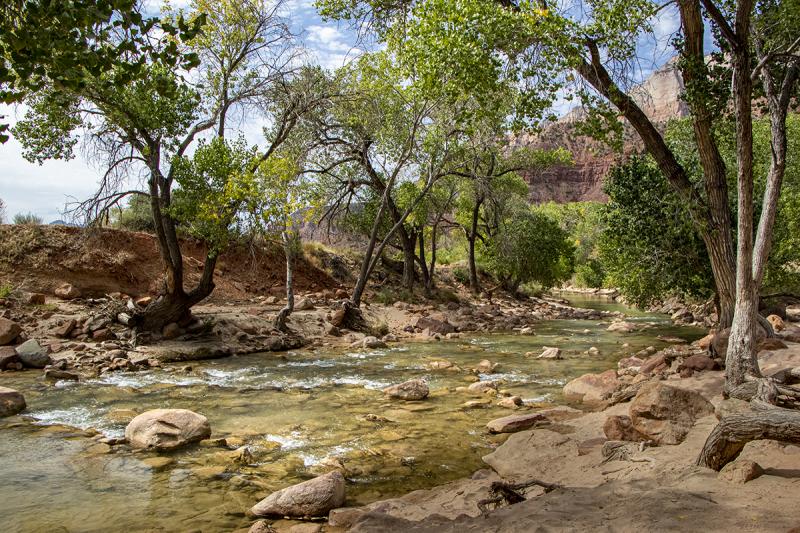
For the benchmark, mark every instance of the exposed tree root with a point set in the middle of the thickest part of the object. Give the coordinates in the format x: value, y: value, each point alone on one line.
x: 769, y: 419
x: 503, y: 492
x: 354, y: 318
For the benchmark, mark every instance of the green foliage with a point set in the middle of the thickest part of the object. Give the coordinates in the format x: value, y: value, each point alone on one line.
x: 591, y: 273
x: 43, y: 43
x: 529, y: 247
x: 28, y: 219
x: 461, y: 275
x: 6, y: 289
x: 212, y: 186
x: 650, y: 247
x: 136, y: 216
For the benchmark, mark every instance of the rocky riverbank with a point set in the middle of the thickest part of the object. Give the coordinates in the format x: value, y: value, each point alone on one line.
x: 629, y: 466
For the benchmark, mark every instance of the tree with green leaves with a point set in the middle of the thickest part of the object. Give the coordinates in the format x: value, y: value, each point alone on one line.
x: 147, y: 124
x: 68, y: 44
x: 546, y: 47
x: 529, y: 247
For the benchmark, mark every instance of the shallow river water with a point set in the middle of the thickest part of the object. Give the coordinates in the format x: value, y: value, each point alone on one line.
x: 296, y: 412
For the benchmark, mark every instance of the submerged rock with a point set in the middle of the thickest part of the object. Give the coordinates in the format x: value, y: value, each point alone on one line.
x: 166, y: 429
x: 312, y: 498
x: 11, y: 402
x: 665, y: 414
x: 32, y: 354
x: 414, y: 389
x: 622, y: 326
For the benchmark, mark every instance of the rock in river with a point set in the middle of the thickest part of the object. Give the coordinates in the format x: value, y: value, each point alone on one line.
x: 32, y: 354
x: 166, y: 429
x: 591, y: 388
x: 415, y: 389
x: 315, y: 497
x: 11, y: 402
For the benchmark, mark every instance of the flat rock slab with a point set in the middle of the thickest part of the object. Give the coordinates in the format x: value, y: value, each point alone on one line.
x: 514, y: 423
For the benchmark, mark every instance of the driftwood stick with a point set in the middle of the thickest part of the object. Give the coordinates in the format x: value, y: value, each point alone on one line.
x: 502, y: 491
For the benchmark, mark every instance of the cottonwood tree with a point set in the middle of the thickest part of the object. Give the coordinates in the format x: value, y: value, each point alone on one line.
x: 489, y: 42
x: 140, y: 126
x: 379, y: 134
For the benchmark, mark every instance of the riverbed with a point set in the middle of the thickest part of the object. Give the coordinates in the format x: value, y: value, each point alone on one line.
x: 297, y: 414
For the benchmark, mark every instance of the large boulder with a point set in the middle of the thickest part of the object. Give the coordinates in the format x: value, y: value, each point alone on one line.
x: 33, y: 355
x: 9, y: 331
x: 11, y: 402
x: 514, y: 423
x: 699, y: 362
x: 665, y: 414
x: 591, y: 388
x: 313, y: 498
x: 435, y: 325
x: 166, y: 429
x: 414, y: 389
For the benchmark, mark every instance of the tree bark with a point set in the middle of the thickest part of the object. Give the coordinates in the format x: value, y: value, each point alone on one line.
x: 288, y: 250
x: 472, y: 235
x: 734, y: 431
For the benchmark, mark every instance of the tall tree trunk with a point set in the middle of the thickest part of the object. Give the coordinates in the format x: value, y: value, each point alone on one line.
x: 289, y: 245
x: 741, y: 360
x: 472, y: 235
x: 409, y: 257
x: 423, y: 264
x: 432, y: 269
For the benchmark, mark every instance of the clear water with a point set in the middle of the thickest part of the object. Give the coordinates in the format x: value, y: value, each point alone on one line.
x: 294, y: 411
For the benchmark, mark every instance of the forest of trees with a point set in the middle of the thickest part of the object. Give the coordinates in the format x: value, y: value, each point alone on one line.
x: 411, y: 143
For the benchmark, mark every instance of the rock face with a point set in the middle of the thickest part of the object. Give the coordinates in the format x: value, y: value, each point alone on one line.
x: 591, y: 388
x: 9, y: 331
x: 659, y: 97
x: 665, y: 414
x: 166, y: 429
x: 32, y: 354
x: 514, y: 423
x: 312, y: 498
x: 414, y: 389
x: 11, y: 402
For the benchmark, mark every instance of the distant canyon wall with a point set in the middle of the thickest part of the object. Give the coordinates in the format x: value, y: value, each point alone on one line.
x: 659, y: 97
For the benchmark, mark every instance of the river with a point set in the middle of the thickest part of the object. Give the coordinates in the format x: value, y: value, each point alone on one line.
x: 296, y: 412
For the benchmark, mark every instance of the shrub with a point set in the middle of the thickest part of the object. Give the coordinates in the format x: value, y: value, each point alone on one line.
x: 28, y: 219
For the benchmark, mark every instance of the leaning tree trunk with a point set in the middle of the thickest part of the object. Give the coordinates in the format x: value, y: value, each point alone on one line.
x: 174, y: 303
x: 289, y: 244
x: 409, y: 258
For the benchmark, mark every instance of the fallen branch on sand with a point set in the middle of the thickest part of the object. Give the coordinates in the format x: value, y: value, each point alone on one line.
x: 508, y: 492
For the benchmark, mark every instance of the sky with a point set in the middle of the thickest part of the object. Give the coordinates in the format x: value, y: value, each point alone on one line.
x: 46, y: 189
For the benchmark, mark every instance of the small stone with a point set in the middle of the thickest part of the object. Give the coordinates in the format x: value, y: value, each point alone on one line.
x: 67, y: 292
x: 144, y: 301
x: 414, y: 389
x: 64, y: 330
x: 776, y: 322
x: 482, y: 387
x: 158, y: 463
x: 741, y: 471
x: 36, y: 298
x: 477, y: 404
x: 54, y: 374
x: 11, y: 402
x: 9, y: 331
x: 512, y: 402
x: 550, y: 353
